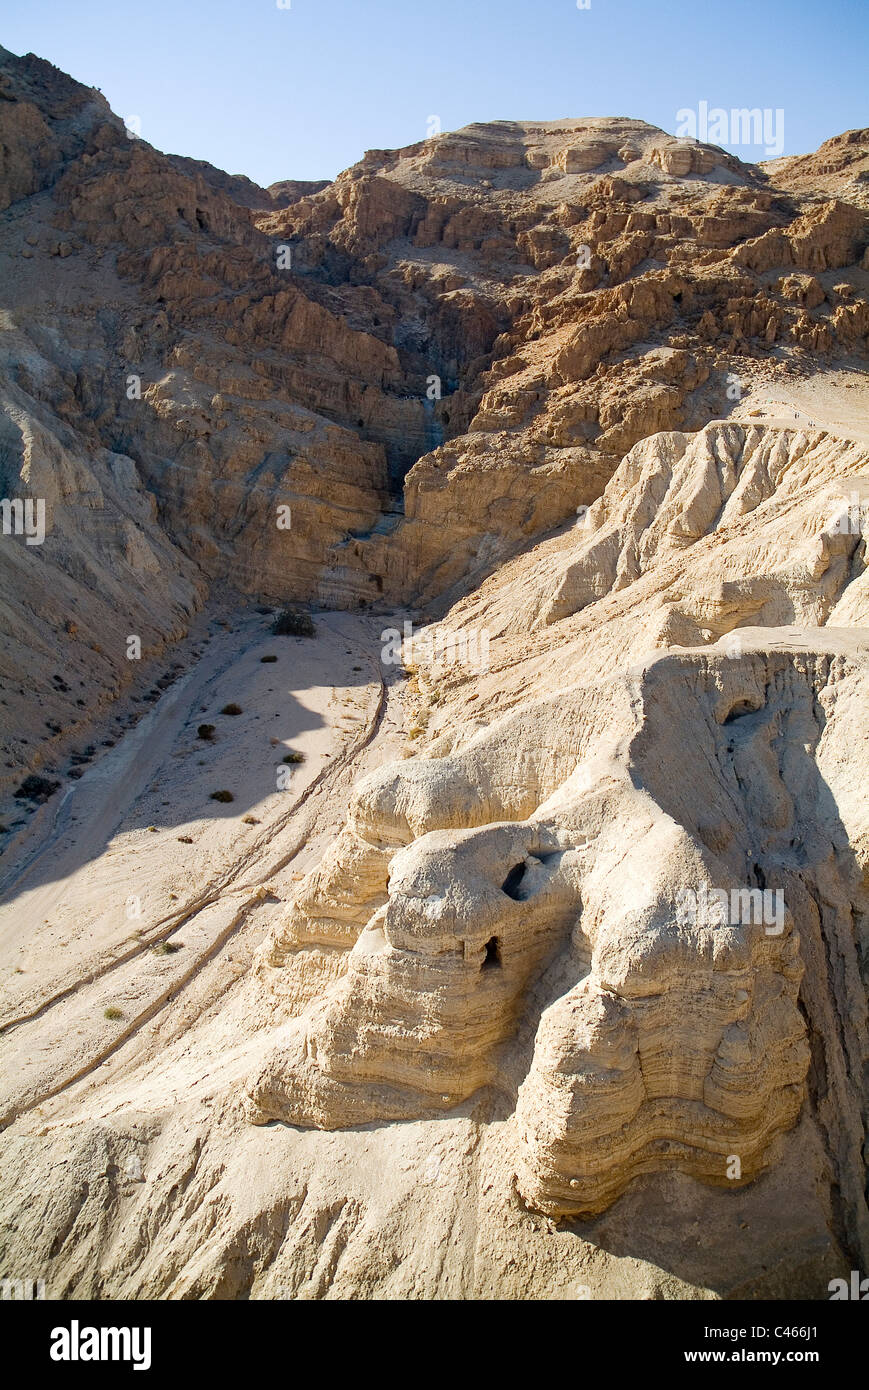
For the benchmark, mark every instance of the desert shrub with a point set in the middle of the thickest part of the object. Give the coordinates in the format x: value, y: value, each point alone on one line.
x: 268, y: 658
x: 35, y: 788
x: 294, y: 757
x: 231, y: 709
x: 290, y: 623
x: 205, y: 731
x: 222, y: 796
x: 112, y: 1013
x: 249, y: 820
x: 166, y: 948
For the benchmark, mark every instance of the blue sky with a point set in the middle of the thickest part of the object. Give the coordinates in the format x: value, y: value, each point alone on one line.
x: 302, y: 92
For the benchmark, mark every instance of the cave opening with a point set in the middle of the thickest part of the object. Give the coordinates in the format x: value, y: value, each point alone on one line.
x: 511, y: 883
x: 741, y: 709
x: 492, y: 959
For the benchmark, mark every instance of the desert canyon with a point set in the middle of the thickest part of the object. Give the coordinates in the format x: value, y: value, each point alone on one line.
x: 414, y: 1007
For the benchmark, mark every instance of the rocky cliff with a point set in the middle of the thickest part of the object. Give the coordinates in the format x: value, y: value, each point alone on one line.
x: 572, y: 930
x: 467, y: 334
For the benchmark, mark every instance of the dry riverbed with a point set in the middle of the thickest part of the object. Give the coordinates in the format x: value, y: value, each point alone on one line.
x: 138, y: 878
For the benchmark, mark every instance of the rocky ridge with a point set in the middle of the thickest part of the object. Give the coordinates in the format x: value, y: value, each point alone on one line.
x: 491, y: 380
x: 561, y: 290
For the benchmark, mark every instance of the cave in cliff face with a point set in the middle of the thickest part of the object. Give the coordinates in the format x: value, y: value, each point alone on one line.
x: 336, y: 973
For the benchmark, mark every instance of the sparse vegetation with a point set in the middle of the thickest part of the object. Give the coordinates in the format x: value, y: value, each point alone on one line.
x: 112, y: 1014
x: 268, y: 658
x: 293, y: 757
x: 35, y: 788
x: 185, y: 839
x: 232, y: 709
x: 166, y: 948
x: 205, y: 731
x: 222, y: 796
x: 249, y: 820
x: 290, y: 623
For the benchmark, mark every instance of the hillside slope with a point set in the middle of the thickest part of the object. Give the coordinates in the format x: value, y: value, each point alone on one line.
x: 520, y: 954
x: 468, y: 333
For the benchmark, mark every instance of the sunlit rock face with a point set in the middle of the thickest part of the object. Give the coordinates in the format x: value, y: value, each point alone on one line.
x: 592, y: 934
x: 601, y: 906
x: 373, y: 391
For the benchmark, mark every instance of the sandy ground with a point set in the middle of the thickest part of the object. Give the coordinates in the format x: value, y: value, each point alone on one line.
x: 832, y: 400
x: 136, y: 855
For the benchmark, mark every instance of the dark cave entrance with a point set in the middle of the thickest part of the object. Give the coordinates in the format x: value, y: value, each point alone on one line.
x: 492, y: 960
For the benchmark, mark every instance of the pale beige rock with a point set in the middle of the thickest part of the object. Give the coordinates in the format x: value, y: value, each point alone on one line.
x: 552, y: 846
x: 449, y: 977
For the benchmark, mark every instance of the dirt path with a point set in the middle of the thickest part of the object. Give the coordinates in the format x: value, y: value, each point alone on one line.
x: 101, y: 852
x: 833, y: 401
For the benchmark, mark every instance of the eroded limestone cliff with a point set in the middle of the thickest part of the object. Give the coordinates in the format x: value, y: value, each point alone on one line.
x: 429, y: 361
x: 553, y: 974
